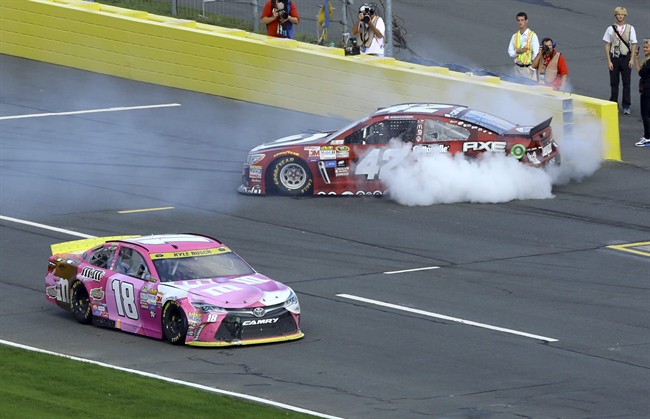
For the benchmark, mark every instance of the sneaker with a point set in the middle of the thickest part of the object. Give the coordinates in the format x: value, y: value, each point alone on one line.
x: 643, y: 142
x: 626, y: 111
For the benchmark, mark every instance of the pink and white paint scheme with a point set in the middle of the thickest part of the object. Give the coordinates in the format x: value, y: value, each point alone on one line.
x: 185, y: 288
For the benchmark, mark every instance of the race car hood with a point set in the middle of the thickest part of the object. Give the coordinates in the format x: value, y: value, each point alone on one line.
x: 294, y: 140
x: 238, y: 292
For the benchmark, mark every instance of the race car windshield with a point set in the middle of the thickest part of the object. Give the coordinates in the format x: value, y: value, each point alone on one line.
x: 201, y: 267
x: 491, y: 122
x: 347, y: 127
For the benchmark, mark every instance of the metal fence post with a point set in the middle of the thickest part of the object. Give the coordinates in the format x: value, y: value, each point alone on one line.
x: 344, y: 16
x: 388, y: 42
x: 174, y: 7
x: 256, y: 16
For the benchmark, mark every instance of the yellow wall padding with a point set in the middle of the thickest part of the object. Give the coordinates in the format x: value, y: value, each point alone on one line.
x: 277, y: 72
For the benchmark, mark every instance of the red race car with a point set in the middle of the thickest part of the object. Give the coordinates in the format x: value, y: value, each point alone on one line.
x: 351, y: 161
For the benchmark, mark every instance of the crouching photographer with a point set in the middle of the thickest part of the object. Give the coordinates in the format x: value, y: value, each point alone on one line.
x: 279, y: 16
x: 369, y: 28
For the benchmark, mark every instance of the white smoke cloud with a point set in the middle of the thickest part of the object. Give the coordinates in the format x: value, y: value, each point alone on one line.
x: 439, y: 178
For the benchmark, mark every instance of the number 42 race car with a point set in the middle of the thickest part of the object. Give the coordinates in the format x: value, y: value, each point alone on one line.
x: 353, y: 160
x: 188, y: 289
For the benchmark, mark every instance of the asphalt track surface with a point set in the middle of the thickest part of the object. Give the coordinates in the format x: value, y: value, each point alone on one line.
x: 561, y: 320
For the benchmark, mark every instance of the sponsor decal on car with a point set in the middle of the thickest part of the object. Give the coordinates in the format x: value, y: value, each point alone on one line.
x: 286, y: 153
x: 430, y: 148
x: 327, y: 153
x: 191, y: 253
x: 94, y: 274
x: 494, y: 146
x: 342, y: 171
x: 517, y: 150
x: 255, y: 172
x: 259, y: 322
x: 97, y: 293
x: 53, y: 292
x: 342, y: 152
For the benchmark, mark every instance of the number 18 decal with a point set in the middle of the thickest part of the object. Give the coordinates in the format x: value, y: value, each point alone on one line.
x: 376, y: 161
x: 125, y: 299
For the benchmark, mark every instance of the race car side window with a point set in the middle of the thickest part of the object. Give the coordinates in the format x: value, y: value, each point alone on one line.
x: 435, y: 130
x: 130, y: 262
x: 101, y: 257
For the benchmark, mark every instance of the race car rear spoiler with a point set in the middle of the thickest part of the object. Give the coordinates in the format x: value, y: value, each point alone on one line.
x: 78, y: 246
x: 540, y: 127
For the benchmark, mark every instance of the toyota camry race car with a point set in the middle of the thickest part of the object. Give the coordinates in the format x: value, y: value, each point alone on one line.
x: 351, y: 161
x: 188, y: 289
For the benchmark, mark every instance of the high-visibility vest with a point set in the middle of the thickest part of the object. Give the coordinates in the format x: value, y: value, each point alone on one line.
x: 526, y: 57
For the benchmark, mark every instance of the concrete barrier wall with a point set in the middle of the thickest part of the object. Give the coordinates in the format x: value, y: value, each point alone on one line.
x: 270, y: 71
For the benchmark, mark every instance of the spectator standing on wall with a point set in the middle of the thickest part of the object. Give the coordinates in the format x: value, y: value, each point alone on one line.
x: 279, y: 16
x: 523, y: 47
x: 370, y: 28
x: 620, y: 48
x: 644, y: 89
x: 550, y: 65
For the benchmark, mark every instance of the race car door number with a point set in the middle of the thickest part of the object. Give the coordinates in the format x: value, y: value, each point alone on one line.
x: 376, y: 161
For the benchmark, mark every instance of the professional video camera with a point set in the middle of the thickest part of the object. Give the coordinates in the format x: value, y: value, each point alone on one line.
x: 351, y: 47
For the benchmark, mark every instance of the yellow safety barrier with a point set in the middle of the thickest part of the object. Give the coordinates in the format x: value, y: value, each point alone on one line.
x: 277, y: 72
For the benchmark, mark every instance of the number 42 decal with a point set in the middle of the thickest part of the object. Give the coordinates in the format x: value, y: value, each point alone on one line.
x: 376, y: 161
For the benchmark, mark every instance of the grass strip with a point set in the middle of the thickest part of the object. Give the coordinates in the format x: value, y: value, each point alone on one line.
x: 36, y: 385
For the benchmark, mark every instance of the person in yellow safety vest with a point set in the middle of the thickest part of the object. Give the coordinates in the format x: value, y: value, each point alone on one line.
x: 523, y: 47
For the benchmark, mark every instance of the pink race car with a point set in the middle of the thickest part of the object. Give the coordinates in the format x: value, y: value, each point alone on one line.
x: 188, y: 289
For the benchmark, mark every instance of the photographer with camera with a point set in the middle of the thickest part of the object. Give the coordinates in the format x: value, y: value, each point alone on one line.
x: 279, y: 16
x: 551, y: 67
x: 370, y: 29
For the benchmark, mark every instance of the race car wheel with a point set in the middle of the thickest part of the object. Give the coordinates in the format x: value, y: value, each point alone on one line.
x: 174, y: 323
x: 80, y: 303
x: 291, y: 176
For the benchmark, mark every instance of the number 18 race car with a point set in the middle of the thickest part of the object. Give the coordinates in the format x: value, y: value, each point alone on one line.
x: 189, y: 289
x: 351, y: 161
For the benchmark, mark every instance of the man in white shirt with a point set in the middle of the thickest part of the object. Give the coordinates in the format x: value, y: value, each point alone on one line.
x: 370, y: 28
x: 620, y: 49
x: 523, y: 47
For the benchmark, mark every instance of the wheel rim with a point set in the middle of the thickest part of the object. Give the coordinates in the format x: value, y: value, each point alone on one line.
x: 293, y: 176
x: 81, y: 303
x: 174, y: 323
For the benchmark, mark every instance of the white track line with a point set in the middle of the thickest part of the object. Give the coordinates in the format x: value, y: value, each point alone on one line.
x: 444, y: 317
x: 46, y: 227
x: 116, y: 109
x: 173, y: 380
x: 143, y: 373
x: 412, y: 270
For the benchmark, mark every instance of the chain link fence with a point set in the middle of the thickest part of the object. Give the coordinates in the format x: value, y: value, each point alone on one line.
x: 245, y: 14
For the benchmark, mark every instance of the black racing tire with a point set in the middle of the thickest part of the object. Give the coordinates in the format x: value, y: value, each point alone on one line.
x: 174, y: 323
x: 290, y: 176
x: 80, y: 303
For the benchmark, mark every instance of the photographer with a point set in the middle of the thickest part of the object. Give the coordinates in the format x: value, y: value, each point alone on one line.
x: 370, y: 29
x: 279, y: 16
x: 551, y: 67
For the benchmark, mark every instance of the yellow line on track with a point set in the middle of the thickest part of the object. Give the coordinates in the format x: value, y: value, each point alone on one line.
x: 642, y: 248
